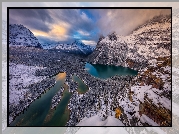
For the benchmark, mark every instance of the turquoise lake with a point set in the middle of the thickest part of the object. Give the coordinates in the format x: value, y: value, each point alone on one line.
x: 39, y: 113
x: 107, y: 71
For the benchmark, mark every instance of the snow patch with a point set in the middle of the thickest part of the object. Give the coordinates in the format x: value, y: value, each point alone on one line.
x: 96, y: 121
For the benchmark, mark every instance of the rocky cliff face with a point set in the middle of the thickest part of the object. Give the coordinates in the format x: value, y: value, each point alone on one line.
x: 110, y: 50
x: 147, y: 101
x: 21, y: 36
x: 151, y: 40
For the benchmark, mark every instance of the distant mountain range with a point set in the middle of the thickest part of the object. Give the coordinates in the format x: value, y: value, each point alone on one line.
x: 76, y: 47
x: 21, y: 36
x: 148, y: 41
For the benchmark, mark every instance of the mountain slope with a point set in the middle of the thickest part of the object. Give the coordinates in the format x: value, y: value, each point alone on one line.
x: 48, y: 45
x: 21, y: 36
x: 153, y: 39
x: 148, y: 41
x: 115, y: 50
x: 76, y: 47
x: 148, y: 98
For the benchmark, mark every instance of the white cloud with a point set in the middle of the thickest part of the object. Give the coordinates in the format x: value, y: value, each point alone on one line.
x: 89, y: 42
x: 85, y: 17
x: 84, y: 33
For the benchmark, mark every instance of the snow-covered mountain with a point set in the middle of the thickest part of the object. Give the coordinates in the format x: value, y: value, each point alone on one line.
x: 48, y: 45
x: 148, y: 41
x: 21, y: 36
x: 153, y: 39
x: 115, y: 50
x: 76, y: 47
x: 147, y: 101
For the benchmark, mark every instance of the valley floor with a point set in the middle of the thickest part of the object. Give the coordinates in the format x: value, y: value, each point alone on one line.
x: 142, y: 100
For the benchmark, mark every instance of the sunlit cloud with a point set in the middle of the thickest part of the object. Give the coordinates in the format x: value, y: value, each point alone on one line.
x: 84, y: 33
x: 89, y: 42
x: 58, y: 31
x: 39, y: 33
x: 66, y: 25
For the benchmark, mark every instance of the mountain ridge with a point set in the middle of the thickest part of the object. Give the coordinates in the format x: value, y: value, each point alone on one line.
x: 19, y: 35
x: 22, y: 36
x: 77, y: 47
x: 148, y: 41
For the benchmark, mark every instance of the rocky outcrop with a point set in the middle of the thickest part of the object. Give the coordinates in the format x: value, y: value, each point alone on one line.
x: 148, y: 41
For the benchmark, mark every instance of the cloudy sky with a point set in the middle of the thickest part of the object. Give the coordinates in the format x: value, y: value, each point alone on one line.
x: 66, y: 25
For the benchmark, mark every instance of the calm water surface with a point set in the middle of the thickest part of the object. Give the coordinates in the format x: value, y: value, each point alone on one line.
x: 107, y: 71
x: 40, y: 108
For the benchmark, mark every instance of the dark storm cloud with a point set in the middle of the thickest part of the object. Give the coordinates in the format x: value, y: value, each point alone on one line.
x: 37, y: 24
x: 42, y: 14
x: 32, y: 18
x: 124, y: 21
x: 66, y: 25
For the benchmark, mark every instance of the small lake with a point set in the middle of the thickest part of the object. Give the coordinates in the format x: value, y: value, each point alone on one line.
x: 107, y: 71
x: 38, y: 111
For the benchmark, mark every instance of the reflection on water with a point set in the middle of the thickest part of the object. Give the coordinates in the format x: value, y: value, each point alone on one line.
x: 40, y: 108
x: 60, y: 76
x: 61, y: 114
x: 106, y: 71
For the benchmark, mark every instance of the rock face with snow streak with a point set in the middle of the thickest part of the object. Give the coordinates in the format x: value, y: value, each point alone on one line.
x: 109, y: 50
x: 114, y: 50
x: 77, y: 47
x: 21, y: 36
x: 151, y: 40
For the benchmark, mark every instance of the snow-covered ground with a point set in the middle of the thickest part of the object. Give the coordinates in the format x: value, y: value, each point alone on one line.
x: 153, y: 94
x: 96, y: 121
x: 145, y: 118
x: 20, y: 77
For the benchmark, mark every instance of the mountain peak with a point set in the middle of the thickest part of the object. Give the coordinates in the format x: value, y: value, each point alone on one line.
x: 136, y: 49
x: 78, y: 42
x: 21, y: 36
x: 77, y: 47
x: 113, y: 36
